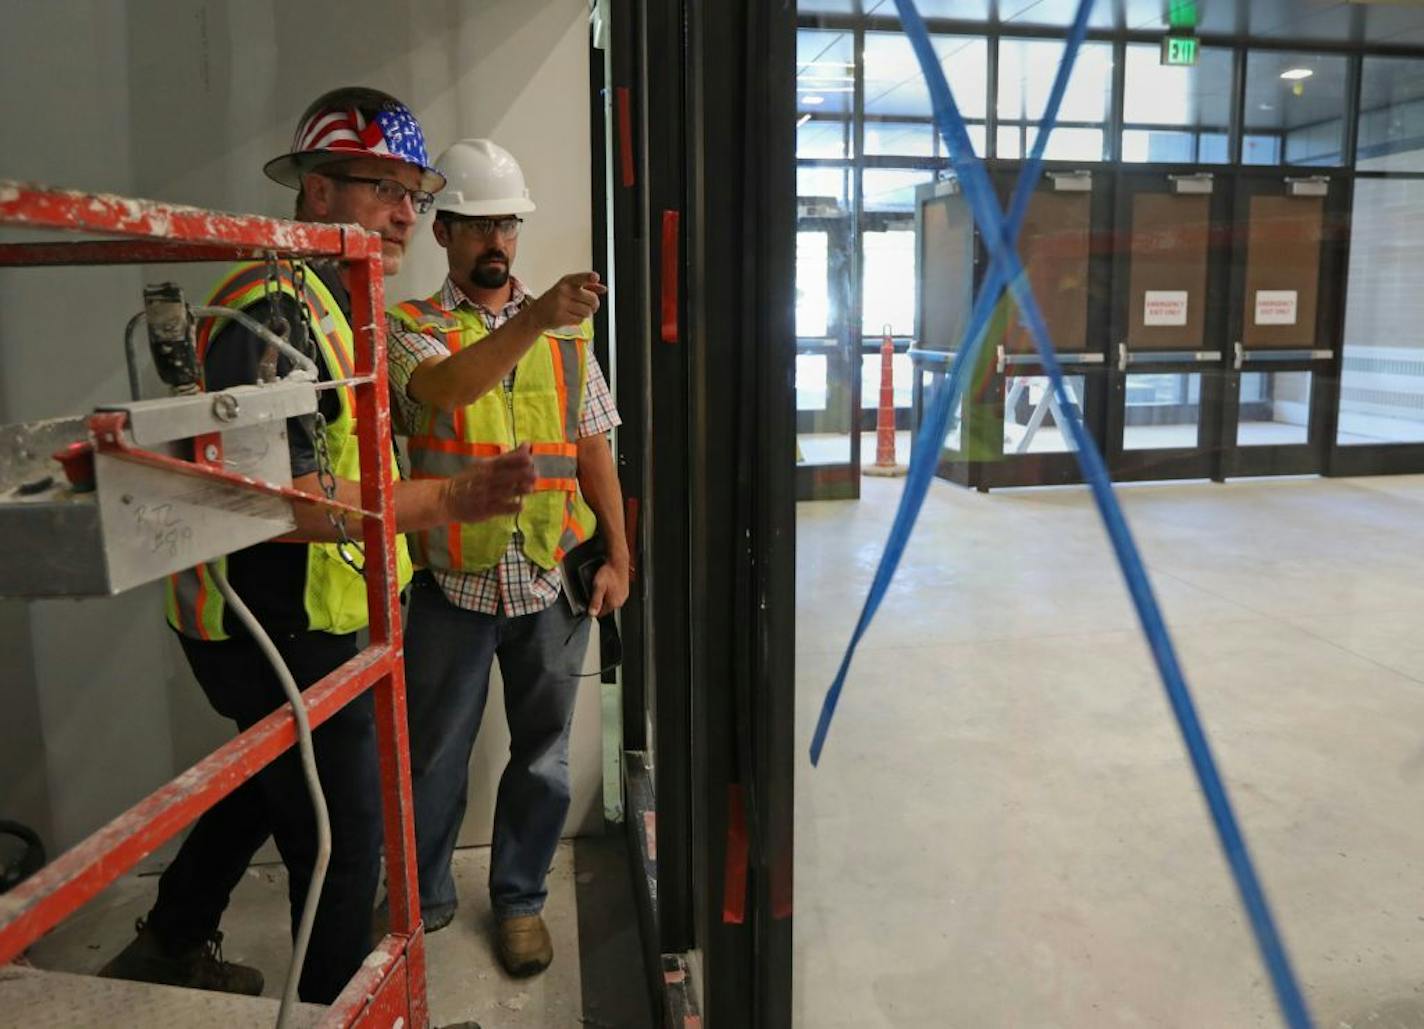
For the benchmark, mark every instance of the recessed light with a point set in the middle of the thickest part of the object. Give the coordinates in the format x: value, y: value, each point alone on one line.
x: 1292, y: 74
x: 813, y: 100
x: 1268, y: 107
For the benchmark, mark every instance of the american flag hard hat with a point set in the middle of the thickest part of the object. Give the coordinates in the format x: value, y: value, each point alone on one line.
x: 354, y: 122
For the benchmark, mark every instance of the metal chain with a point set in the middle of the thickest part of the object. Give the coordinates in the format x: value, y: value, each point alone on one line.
x: 306, y: 342
x: 267, y: 366
x: 325, y: 474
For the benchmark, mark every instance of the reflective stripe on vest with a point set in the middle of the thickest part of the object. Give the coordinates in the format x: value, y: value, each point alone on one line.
x: 335, y: 596
x: 542, y: 410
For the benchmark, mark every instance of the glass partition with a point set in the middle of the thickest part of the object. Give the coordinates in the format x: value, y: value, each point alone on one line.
x: 1295, y: 108
x: 1026, y: 71
x: 1382, y: 383
x: 1177, y: 115
x: 1391, y: 115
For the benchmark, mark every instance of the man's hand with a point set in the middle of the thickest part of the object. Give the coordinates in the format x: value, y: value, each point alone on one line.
x: 610, y: 588
x: 569, y: 301
x: 491, y: 486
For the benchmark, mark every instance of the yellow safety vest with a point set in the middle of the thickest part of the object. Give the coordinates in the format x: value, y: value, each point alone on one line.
x: 335, y: 594
x: 542, y: 410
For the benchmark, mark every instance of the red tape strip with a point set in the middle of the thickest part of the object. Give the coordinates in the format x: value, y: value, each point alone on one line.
x: 625, y: 135
x: 669, y: 276
x: 734, y: 884
x: 630, y: 530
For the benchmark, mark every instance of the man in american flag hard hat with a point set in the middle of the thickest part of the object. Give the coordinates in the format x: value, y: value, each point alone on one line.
x: 358, y: 158
x: 367, y: 145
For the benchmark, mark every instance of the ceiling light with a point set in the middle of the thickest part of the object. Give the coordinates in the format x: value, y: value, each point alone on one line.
x: 813, y: 100
x: 803, y: 119
x: 1292, y: 74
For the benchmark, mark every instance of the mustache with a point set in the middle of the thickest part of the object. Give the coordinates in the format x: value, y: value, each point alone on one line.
x: 492, y: 255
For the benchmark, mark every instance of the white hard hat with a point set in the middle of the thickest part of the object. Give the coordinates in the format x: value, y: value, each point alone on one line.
x: 483, y: 179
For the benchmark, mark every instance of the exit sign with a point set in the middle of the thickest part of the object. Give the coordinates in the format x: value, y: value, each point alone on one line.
x: 1179, y: 50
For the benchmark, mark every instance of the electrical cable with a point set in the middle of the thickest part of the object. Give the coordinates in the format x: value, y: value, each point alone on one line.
x: 1006, y: 271
x: 313, y: 781
x: 298, y: 359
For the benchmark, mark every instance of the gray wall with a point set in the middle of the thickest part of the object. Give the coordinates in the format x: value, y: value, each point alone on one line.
x: 183, y: 102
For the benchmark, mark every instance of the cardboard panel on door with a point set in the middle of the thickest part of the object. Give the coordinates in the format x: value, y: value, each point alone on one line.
x: 1283, y: 250
x: 1168, y: 271
x: 946, y: 273
x: 1054, y: 245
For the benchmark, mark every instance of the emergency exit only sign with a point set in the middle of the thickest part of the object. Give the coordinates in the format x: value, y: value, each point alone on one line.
x: 1277, y: 306
x: 1164, y: 307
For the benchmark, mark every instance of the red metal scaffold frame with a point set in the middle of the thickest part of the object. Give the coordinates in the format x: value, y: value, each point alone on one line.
x: 392, y: 982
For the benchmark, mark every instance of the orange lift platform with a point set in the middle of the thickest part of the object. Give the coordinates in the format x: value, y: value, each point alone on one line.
x: 390, y: 988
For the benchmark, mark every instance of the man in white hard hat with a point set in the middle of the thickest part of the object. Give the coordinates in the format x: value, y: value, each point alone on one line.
x: 358, y: 157
x: 496, y: 590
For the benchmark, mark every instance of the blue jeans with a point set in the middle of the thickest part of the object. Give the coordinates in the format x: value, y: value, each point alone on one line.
x: 448, y: 654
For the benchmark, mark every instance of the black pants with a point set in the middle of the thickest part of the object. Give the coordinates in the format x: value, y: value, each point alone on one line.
x: 194, y: 890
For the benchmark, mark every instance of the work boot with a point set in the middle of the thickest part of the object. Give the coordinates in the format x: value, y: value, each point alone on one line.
x: 524, y: 945
x: 381, y: 921
x: 148, y: 960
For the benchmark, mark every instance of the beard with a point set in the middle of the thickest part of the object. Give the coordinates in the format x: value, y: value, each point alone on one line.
x: 491, y: 271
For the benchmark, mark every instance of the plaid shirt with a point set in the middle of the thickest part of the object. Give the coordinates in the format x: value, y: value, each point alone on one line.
x: 516, y: 585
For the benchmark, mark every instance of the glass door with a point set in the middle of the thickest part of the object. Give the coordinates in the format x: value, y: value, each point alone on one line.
x: 1065, y: 213
x: 1284, y: 325
x: 827, y: 355
x: 1165, y: 370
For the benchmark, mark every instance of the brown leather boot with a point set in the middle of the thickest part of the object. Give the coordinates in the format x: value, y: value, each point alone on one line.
x: 524, y: 945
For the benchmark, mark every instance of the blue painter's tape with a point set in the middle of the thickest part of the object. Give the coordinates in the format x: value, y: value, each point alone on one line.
x: 1000, y: 234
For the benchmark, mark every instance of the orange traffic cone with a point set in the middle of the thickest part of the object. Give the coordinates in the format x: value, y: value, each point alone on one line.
x: 885, y: 417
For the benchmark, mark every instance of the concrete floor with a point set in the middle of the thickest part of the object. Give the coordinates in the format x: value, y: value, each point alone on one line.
x: 596, y: 979
x: 1004, y: 830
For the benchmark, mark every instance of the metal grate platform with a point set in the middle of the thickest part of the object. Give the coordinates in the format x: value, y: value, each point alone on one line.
x: 37, y: 999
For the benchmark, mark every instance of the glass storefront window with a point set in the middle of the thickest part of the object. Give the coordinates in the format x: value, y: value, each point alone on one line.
x: 813, y: 296
x: 1066, y: 143
x: 1026, y: 71
x: 1176, y: 114
x: 892, y: 189
x: 1391, y: 115
x: 1298, y: 99
x: 1382, y: 385
x: 823, y: 137
x: 899, y: 138
x: 825, y: 72
x: 901, y: 371
x: 888, y: 282
x: 823, y: 187
x: 895, y: 89
x: 810, y: 382
x: 894, y: 85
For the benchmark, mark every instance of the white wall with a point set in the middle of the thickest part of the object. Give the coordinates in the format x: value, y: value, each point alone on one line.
x: 184, y: 101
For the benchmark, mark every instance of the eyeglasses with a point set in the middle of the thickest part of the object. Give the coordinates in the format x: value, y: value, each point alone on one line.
x: 490, y: 227
x: 389, y: 191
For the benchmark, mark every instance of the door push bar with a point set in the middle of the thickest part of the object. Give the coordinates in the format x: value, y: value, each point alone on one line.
x: 1243, y: 355
x: 1005, y: 359
x: 1125, y: 356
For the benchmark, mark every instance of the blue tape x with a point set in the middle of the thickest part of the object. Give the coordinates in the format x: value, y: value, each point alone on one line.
x: 1000, y: 234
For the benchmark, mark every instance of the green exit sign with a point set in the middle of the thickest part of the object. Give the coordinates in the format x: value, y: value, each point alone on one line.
x: 1179, y: 50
